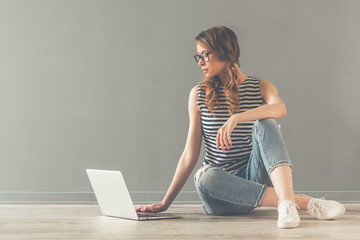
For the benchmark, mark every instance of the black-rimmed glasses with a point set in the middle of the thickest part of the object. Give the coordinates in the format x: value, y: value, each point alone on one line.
x: 203, y: 56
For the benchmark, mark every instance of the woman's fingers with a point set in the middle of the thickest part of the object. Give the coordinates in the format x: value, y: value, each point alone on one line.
x: 146, y: 208
x: 219, y: 140
x: 226, y: 140
x: 230, y: 139
x: 223, y: 142
x: 152, y: 208
x: 142, y: 209
x: 223, y: 139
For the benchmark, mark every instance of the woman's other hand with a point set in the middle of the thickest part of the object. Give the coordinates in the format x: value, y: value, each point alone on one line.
x: 224, y: 133
x: 156, y: 207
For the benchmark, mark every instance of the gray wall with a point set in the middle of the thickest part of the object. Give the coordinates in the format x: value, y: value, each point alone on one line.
x: 105, y: 85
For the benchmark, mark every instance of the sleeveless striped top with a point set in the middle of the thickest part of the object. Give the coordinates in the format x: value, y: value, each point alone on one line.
x: 241, y: 136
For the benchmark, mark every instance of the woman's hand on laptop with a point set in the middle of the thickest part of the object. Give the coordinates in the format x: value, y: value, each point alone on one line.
x: 156, y: 207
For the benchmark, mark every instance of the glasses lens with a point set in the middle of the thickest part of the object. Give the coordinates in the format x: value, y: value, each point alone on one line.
x: 206, y: 57
x: 197, y: 58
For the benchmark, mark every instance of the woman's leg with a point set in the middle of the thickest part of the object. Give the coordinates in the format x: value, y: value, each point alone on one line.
x: 269, y: 157
x: 281, y: 177
x: 270, y: 146
x: 271, y: 199
x: 223, y: 193
x: 246, y: 189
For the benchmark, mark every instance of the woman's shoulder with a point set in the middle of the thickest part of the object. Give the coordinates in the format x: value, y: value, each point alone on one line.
x: 258, y: 80
x: 199, y: 86
x: 196, y: 88
x: 199, y: 83
x: 253, y: 78
x: 264, y: 82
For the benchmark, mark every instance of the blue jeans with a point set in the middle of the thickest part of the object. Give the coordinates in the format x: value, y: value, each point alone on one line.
x: 224, y: 193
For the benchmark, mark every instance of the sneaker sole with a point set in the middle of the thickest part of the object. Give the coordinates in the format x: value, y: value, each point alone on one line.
x: 288, y: 225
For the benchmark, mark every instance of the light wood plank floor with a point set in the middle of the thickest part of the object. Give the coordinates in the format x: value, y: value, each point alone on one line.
x: 85, y: 221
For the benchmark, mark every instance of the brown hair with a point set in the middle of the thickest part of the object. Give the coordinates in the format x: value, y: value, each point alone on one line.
x: 222, y: 41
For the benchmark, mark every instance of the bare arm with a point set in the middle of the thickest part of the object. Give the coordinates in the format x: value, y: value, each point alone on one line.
x: 187, y: 160
x: 274, y: 108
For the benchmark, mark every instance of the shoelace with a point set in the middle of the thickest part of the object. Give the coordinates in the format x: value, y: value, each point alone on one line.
x: 318, y: 208
x: 286, y: 210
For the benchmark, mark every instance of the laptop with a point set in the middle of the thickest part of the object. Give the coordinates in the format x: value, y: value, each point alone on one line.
x: 114, y: 199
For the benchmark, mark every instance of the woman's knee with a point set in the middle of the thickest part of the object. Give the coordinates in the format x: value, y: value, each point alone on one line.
x: 205, y: 175
x: 206, y: 181
x: 266, y: 122
x: 216, y: 206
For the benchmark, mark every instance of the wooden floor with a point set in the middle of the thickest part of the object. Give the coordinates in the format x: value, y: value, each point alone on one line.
x: 85, y: 221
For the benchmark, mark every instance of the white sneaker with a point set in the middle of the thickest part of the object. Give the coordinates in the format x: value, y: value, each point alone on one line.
x: 325, y: 209
x: 288, y: 214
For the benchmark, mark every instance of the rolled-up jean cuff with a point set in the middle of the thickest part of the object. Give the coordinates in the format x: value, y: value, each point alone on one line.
x: 261, y: 196
x: 271, y: 168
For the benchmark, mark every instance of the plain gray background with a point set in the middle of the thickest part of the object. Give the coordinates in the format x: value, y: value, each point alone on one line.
x: 105, y: 85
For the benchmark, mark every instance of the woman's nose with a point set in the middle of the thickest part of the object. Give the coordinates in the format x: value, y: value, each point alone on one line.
x: 201, y: 62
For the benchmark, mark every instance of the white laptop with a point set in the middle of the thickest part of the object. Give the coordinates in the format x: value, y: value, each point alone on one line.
x: 114, y: 199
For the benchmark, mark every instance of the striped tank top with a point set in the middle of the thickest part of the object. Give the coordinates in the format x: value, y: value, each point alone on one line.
x: 241, y: 136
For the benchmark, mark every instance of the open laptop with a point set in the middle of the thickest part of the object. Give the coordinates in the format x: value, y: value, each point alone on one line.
x: 114, y: 198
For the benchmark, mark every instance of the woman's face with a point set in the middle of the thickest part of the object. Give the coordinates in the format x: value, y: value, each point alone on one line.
x: 214, y: 66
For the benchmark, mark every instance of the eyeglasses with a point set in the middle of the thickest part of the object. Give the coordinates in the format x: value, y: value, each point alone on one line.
x: 204, y: 57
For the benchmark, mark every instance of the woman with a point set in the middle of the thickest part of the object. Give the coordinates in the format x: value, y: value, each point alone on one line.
x: 246, y: 164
